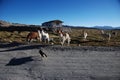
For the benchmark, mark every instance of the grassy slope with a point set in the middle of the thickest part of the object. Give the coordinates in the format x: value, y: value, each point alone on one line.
x: 94, y: 37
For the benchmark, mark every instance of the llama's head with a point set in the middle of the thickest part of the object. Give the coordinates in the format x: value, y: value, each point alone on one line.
x: 59, y: 31
x: 62, y: 33
x: 40, y: 29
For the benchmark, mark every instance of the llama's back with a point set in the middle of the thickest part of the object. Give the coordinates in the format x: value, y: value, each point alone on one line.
x: 68, y: 36
x: 32, y: 35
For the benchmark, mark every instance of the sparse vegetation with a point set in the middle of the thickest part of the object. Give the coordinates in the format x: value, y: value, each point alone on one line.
x: 8, y: 34
x: 94, y: 37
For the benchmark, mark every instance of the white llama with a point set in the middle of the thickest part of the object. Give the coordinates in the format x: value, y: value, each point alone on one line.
x: 106, y: 35
x: 40, y: 35
x: 85, y: 35
x: 45, y: 36
x: 64, y: 37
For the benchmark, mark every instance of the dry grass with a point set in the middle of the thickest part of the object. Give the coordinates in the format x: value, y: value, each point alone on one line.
x: 94, y: 37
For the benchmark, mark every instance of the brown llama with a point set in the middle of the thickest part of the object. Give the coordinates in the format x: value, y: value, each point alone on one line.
x: 34, y: 35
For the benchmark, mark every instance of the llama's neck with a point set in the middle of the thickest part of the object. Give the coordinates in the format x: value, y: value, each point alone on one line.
x: 39, y: 33
x: 61, y: 35
x: 42, y: 31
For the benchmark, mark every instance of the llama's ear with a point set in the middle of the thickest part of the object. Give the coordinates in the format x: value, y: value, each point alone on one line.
x: 57, y: 31
x: 39, y: 28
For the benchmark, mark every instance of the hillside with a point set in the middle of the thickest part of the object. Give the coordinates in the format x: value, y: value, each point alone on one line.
x: 4, y: 24
x: 94, y: 37
x: 11, y: 27
x: 19, y: 34
x: 8, y: 24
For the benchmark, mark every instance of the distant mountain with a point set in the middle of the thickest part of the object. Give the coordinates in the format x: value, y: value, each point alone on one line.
x: 103, y: 27
x: 7, y: 24
x: 4, y: 23
x: 117, y: 28
x: 69, y: 26
x: 95, y: 27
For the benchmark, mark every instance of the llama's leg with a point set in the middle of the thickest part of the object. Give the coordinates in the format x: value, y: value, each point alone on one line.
x: 48, y: 38
x: 109, y: 37
x: 85, y: 37
x: 28, y: 41
x: 63, y: 41
x: 60, y: 40
x: 38, y: 39
x: 31, y: 40
x: 68, y: 42
x: 39, y: 35
x: 103, y: 37
x: 48, y: 41
x: 45, y: 40
x: 42, y: 39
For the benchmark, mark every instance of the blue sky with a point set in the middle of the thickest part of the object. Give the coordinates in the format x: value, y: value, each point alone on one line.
x: 71, y: 12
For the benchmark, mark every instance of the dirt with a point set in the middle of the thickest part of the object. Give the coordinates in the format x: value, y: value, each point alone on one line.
x: 24, y: 62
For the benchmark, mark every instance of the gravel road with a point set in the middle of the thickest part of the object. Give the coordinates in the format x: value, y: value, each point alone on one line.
x: 24, y: 62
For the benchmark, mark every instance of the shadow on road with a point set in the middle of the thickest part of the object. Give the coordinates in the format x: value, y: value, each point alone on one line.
x: 18, y: 46
x: 19, y: 61
x: 7, y: 45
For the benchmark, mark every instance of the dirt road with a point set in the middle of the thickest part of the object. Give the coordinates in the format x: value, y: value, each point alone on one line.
x: 23, y: 62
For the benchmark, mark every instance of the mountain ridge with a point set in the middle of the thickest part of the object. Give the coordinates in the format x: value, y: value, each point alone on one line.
x: 7, y: 24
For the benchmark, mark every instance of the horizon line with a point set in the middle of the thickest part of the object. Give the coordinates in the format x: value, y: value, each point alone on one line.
x: 63, y: 24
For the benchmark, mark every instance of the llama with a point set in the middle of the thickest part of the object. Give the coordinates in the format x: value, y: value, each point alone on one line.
x: 114, y: 34
x: 45, y: 36
x: 102, y: 31
x: 85, y: 35
x: 64, y: 37
x: 109, y: 36
x: 106, y: 35
x: 34, y: 35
